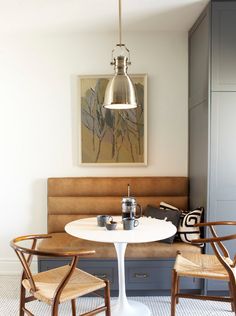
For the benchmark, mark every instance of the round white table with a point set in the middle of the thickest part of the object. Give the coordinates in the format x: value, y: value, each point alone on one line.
x: 149, y: 229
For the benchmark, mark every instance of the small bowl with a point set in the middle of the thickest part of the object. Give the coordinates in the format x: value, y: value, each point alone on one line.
x: 111, y: 225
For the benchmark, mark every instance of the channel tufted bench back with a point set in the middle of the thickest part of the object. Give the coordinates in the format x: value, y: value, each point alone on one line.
x: 74, y: 198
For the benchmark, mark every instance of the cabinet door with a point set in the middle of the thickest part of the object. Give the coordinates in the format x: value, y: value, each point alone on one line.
x: 154, y: 275
x: 223, y: 158
x: 224, y: 46
x: 222, y: 195
x: 198, y: 61
x: 198, y: 155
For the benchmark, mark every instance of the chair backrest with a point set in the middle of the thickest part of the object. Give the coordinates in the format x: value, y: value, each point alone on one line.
x: 219, y: 248
x: 25, y: 255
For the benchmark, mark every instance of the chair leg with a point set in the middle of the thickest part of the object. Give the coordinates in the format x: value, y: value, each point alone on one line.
x: 107, y: 298
x: 55, y: 309
x: 177, y: 289
x: 231, y: 295
x: 174, y: 288
x: 22, y: 300
x: 232, y: 286
x: 73, y: 307
x: 234, y: 301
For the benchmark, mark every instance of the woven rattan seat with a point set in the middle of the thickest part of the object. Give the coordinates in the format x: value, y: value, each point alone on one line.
x: 80, y: 283
x: 57, y: 285
x: 200, y: 265
x: 218, y: 266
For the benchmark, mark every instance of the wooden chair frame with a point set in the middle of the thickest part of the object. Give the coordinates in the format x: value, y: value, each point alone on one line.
x: 25, y: 256
x: 222, y: 255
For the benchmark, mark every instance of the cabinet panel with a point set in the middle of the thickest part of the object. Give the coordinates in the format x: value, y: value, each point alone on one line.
x: 223, y: 149
x: 154, y: 275
x: 213, y: 285
x: 222, y: 204
x: 223, y: 46
x: 148, y: 274
x: 198, y: 153
x: 102, y: 270
x: 198, y: 61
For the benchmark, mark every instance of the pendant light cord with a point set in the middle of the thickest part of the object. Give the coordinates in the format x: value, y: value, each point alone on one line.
x: 120, y: 39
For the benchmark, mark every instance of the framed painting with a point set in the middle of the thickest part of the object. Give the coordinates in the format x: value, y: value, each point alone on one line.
x: 117, y: 137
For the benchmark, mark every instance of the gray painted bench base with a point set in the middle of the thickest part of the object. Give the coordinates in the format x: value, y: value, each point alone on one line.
x: 143, y: 277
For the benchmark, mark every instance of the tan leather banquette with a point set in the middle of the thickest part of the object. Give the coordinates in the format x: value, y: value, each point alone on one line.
x: 73, y: 198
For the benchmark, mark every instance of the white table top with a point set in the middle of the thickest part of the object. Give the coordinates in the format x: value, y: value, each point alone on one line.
x: 149, y: 229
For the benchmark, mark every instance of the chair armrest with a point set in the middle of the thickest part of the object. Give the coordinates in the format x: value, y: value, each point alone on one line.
x: 33, y: 251
x: 215, y: 223
x: 213, y: 239
x: 78, y: 253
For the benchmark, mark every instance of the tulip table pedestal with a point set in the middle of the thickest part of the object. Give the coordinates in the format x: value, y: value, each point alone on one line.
x: 149, y: 229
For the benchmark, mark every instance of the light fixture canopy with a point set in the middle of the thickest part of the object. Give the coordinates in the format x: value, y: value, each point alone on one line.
x: 120, y: 92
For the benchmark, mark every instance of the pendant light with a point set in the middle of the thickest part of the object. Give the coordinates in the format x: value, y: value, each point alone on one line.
x: 120, y: 93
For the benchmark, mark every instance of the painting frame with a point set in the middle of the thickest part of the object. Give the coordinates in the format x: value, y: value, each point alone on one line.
x: 85, y: 84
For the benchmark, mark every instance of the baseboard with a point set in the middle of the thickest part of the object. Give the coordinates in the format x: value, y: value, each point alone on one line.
x: 9, y: 266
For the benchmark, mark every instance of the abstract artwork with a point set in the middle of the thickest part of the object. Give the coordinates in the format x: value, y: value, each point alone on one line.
x: 111, y: 136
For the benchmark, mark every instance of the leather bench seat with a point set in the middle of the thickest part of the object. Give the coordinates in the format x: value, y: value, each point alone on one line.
x: 152, y: 250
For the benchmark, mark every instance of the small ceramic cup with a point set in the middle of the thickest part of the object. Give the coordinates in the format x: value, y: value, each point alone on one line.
x: 103, y: 219
x: 129, y: 223
x: 111, y: 225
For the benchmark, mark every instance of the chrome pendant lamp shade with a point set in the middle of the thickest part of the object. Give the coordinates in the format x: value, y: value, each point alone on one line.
x: 120, y: 92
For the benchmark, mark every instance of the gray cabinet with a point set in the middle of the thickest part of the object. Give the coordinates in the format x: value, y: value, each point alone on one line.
x: 223, y: 156
x: 212, y: 116
x: 222, y: 166
x: 198, y: 152
x: 224, y: 46
x: 199, y: 43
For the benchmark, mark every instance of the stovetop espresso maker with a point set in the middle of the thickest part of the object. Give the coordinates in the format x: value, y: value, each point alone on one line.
x: 130, y: 206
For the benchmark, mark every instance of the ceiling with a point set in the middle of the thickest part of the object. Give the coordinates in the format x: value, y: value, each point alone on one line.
x: 97, y: 15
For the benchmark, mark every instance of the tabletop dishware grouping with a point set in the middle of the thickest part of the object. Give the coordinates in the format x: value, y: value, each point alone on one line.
x: 130, y: 210
x: 107, y: 221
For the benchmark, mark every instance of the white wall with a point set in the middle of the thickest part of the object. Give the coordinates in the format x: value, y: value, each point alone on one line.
x: 37, y: 132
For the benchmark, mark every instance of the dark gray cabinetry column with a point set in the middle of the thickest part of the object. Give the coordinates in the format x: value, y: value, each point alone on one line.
x: 212, y: 116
